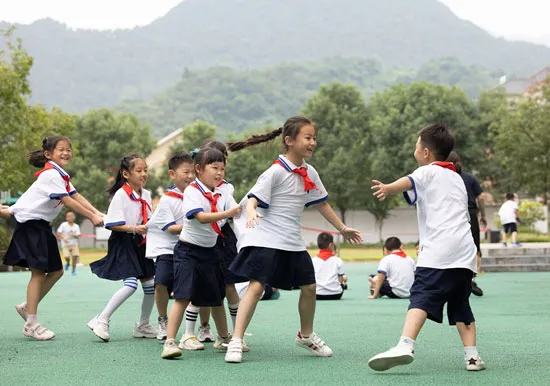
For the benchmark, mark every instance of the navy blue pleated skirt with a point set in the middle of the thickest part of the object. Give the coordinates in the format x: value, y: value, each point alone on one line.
x: 125, y: 258
x: 226, y: 249
x: 33, y: 245
x: 197, y: 275
x: 280, y: 269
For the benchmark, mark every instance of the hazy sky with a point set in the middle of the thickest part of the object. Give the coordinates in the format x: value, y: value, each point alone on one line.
x: 509, y: 18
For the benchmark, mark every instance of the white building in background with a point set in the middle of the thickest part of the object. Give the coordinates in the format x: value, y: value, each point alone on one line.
x: 159, y: 155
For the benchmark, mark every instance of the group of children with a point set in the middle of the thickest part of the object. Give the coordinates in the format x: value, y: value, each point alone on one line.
x: 187, y: 248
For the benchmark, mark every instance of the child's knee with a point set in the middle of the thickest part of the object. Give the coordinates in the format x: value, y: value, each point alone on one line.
x: 56, y: 274
x: 309, y: 290
x: 131, y: 284
x: 256, y: 288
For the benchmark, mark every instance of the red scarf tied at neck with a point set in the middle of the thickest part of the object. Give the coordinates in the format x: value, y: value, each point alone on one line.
x: 399, y: 252
x: 446, y: 165
x: 213, y: 198
x: 302, y: 172
x: 325, y: 254
x: 66, y: 178
x: 144, y: 205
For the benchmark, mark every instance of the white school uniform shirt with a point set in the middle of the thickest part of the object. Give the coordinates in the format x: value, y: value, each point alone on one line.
x: 443, y: 220
x: 65, y: 229
x: 194, y: 232
x: 169, y: 212
x: 228, y: 190
x: 399, y: 272
x: 327, y: 273
x: 507, y: 212
x: 42, y: 201
x: 282, y: 200
x: 124, y: 211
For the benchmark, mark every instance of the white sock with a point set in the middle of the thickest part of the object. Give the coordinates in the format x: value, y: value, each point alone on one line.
x: 407, y: 342
x: 233, y: 308
x: 31, y: 319
x: 191, y: 315
x: 471, y: 351
x: 148, y: 301
x: 130, y: 286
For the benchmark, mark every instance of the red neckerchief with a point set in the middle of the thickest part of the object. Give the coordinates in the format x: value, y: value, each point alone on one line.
x: 446, y: 165
x: 213, y: 206
x: 302, y: 172
x: 171, y: 193
x: 221, y: 183
x: 144, y: 205
x: 65, y: 177
x: 400, y: 252
x: 325, y: 254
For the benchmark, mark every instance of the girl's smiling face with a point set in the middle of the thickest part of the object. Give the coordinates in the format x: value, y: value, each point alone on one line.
x: 137, y: 175
x: 61, y: 154
x: 212, y: 174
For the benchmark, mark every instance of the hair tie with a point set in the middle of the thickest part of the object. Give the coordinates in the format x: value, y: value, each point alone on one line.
x: 194, y: 152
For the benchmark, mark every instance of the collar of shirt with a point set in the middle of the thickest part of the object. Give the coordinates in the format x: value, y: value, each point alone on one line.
x: 203, y: 189
x: 289, y: 165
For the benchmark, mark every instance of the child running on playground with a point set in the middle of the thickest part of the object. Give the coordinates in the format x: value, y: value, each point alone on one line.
x: 271, y: 248
x: 447, y: 258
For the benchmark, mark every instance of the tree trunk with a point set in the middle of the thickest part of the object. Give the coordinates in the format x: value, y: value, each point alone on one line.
x: 342, y: 213
x: 380, y: 224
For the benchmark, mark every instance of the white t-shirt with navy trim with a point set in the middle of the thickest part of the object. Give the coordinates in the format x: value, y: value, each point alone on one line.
x: 125, y: 211
x: 399, y: 272
x: 42, y: 201
x: 228, y: 190
x: 443, y: 221
x: 282, y: 200
x: 65, y: 229
x: 194, y: 232
x: 327, y: 273
x: 169, y: 212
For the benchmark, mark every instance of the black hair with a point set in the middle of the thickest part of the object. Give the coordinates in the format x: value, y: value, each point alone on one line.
x: 453, y: 157
x: 291, y: 129
x: 37, y: 157
x: 216, y: 145
x: 324, y: 239
x: 206, y: 156
x: 127, y: 163
x: 179, y: 158
x: 509, y: 196
x: 392, y: 243
x: 439, y: 139
x: 417, y: 243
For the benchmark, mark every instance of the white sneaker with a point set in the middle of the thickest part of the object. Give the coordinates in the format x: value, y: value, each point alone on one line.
x: 22, y: 310
x: 190, y: 343
x: 145, y: 330
x: 245, y: 346
x: 100, y: 328
x: 474, y: 364
x: 234, y: 352
x: 38, y: 332
x: 205, y: 334
x: 222, y: 343
x: 314, y: 344
x: 163, y: 326
x: 395, y: 356
x: 170, y: 350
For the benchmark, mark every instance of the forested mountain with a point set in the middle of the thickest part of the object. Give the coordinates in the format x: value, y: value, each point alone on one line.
x: 80, y: 69
x: 236, y: 100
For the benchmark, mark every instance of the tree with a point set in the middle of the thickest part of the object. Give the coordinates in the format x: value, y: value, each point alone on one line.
x: 194, y: 136
x: 102, y: 138
x: 522, y: 143
x: 22, y: 126
x: 343, y: 143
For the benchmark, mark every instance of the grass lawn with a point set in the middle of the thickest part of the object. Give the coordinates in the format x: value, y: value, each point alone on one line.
x: 348, y: 254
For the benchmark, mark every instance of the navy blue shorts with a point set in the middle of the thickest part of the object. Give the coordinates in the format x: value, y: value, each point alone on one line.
x: 510, y: 227
x: 280, y: 269
x: 432, y: 288
x: 164, y: 271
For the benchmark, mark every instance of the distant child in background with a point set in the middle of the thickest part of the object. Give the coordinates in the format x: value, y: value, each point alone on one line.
x: 33, y: 244
x: 447, y: 259
x: 508, y: 213
x: 329, y: 269
x: 395, y: 272
x: 127, y: 216
x: 69, y: 232
x: 163, y: 230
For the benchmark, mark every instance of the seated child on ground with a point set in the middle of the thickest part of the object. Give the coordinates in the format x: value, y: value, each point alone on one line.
x: 395, y: 272
x: 329, y: 270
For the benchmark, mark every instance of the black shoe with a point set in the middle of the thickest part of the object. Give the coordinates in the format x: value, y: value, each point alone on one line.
x: 476, y: 290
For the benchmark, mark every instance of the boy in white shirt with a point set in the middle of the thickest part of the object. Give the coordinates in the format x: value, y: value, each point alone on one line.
x: 329, y: 269
x: 69, y: 232
x: 508, y: 214
x: 395, y: 273
x: 447, y: 258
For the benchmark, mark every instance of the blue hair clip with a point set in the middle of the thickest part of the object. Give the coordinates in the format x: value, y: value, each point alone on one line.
x: 194, y: 153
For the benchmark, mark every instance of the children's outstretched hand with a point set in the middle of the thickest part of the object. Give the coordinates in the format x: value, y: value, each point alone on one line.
x: 235, y: 212
x: 252, y: 217
x: 380, y: 190
x: 352, y: 235
x: 4, y: 212
x: 97, y: 220
x: 141, y: 229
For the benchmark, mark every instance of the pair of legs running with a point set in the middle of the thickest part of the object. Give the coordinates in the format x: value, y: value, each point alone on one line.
x: 306, y: 307
x: 74, y: 263
x: 39, y: 285
x: 143, y: 329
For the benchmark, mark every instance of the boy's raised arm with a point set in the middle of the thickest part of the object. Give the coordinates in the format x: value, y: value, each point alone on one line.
x: 381, y: 191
